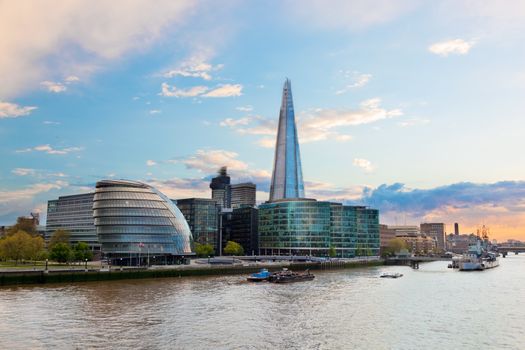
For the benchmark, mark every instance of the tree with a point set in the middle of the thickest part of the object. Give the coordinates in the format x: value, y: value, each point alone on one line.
x: 204, y: 250
x: 27, y: 225
x: 59, y: 236
x: 332, y: 252
x: 16, y: 246
x: 82, y: 252
x: 233, y: 248
x: 61, y: 252
x: 35, y: 250
x: 395, y: 245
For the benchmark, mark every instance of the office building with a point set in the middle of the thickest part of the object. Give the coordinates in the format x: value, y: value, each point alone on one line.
x: 310, y: 227
x: 420, y: 244
x: 202, y: 215
x: 136, y: 223
x: 287, y: 176
x: 405, y: 230
x: 243, y: 195
x: 436, y: 230
x: 75, y: 214
x: 386, y: 234
x: 220, y: 188
x: 241, y: 226
x: 456, y: 228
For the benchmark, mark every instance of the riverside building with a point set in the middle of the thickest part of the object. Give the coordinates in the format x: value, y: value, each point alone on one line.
x: 136, y: 224
x: 437, y: 231
x: 75, y: 214
x: 290, y: 224
x: 202, y: 215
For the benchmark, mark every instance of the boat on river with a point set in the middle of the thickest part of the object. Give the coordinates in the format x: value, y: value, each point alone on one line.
x: 288, y: 276
x: 478, y: 258
x: 260, y: 276
x: 391, y: 275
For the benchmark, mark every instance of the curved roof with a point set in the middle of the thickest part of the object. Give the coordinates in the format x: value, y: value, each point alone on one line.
x: 126, y: 183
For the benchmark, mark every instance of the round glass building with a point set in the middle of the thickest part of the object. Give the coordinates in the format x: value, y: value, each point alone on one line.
x: 135, y: 223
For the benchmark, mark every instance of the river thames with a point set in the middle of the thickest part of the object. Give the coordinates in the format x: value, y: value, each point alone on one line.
x: 430, y: 308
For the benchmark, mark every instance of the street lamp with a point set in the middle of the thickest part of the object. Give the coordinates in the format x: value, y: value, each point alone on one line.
x: 86, y: 269
x: 120, y: 264
x: 46, y: 265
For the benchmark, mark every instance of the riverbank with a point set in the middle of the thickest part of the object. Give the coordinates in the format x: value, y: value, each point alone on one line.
x: 72, y: 276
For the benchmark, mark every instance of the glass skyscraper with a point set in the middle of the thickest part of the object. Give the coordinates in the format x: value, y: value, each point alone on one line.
x: 290, y: 224
x: 287, y: 176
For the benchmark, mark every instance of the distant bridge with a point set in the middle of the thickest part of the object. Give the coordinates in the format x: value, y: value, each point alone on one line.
x: 504, y: 250
x: 413, y: 261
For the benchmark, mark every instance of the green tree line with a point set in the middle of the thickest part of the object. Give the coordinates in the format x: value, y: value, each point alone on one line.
x: 22, y: 243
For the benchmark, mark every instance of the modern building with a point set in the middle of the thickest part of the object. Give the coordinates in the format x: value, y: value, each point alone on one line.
x: 310, y: 227
x: 287, y: 176
x: 456, y: 228
x: 243, y: 195
x: 202, y: 215
x: 137, y: 224
x: 436, y: 230
x: 75, y: 214
x: 220, y: 188
x: 241, y: 226
x: 290, y: 224
x: 354, y: 230
x: 386, y: 234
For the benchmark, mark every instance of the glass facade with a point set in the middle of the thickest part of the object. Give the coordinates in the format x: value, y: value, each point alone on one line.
x: 287, y: 177
x: 74, y: 214
x: 300, y: 227
x: 202, y: 215
x: 132, y: 218
x: 241, y: 226
x: 309, y: 227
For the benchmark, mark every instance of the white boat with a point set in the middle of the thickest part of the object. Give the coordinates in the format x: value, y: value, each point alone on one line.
x: 477, y: 259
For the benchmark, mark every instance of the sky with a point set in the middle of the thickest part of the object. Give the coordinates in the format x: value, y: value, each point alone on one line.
x: 412, y: 107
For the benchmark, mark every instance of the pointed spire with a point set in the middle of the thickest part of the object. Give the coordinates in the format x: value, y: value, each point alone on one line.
x: 287, y: 176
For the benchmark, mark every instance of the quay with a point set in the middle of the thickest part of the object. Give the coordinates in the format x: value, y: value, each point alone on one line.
x: 20, y: 277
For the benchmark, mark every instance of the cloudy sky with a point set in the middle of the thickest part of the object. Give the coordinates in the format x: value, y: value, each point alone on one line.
x: 413, y: 107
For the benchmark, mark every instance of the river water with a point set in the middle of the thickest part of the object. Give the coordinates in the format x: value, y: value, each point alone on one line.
x: 430, y: 308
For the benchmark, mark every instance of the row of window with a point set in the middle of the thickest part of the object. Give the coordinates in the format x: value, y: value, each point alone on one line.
x: 160, y: 221
x: 127, y: 195
x: 132, y: 212
x: 149, y: 230
x: 129, y: 204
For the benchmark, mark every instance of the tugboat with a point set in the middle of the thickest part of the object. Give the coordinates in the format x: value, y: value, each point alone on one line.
x: 287, y: 276
x: 260, y: 276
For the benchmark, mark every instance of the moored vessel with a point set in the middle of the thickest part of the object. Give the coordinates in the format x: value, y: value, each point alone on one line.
x: 260, y: 276
x: 478, y: 258
x: 287, y: 276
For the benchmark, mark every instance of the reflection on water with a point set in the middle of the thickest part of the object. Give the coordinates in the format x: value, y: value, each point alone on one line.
x: 433, y: 307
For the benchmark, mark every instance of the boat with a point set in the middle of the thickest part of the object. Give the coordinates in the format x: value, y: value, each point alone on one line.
x: 287, y: 276
x: 478, y: 258
x: 391, y: 275
x: 260, y: 276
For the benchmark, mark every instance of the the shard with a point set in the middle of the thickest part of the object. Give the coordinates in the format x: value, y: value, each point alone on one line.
x: 287, y: 176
